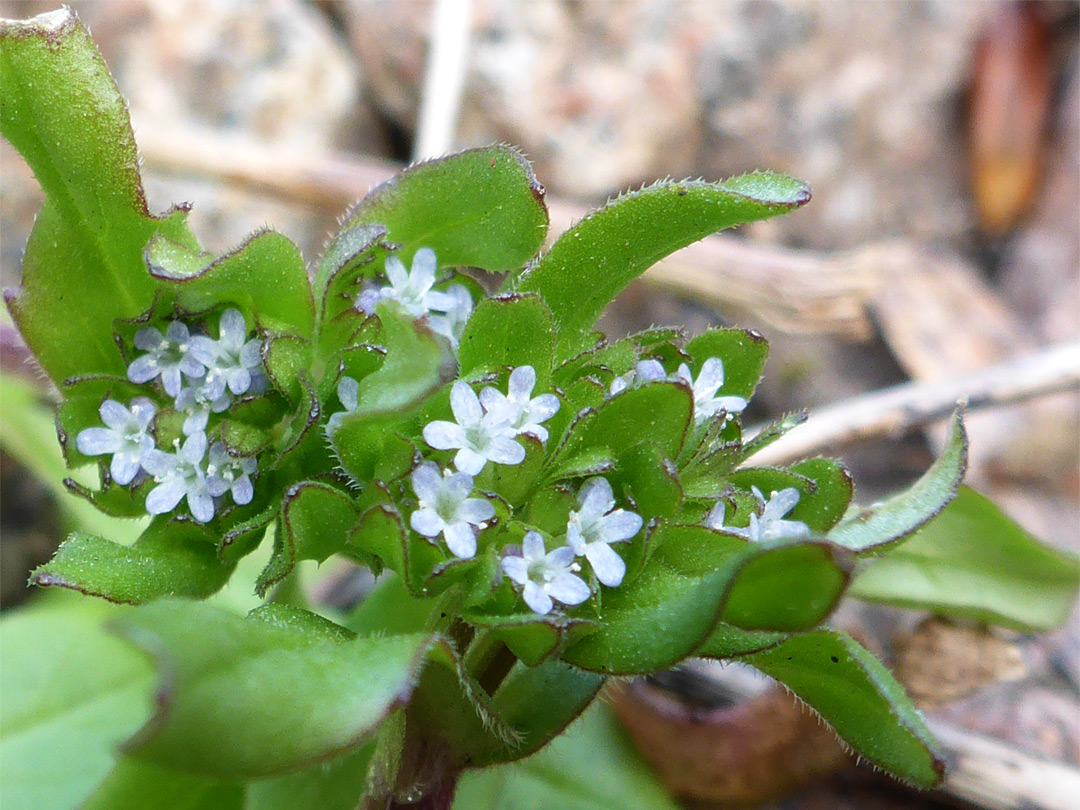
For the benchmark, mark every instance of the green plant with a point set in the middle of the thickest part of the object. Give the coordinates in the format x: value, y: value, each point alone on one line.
x: 549, y: 507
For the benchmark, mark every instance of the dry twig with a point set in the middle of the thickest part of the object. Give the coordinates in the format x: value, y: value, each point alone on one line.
x: 894, y: 411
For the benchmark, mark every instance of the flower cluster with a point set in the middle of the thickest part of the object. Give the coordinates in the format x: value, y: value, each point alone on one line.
x: 548, y: 577
x: 767, y: 520
x: 201, y: 375
x: 709, y: 381
x: 446, y: 310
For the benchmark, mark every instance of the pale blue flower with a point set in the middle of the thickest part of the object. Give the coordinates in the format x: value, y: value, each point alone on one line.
x: 592, y: 529
x: 126, y: 436
x: 545, y: 578
x: 447, y: 509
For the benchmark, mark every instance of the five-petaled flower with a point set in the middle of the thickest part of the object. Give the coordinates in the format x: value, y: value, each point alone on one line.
x: 447, y: 509
x: 708, y: 382
x: 521, y: 411
x: 477, y: 436
x: 225, y: 473
x: 592, y: 529
x: 411, y: 289
x: 644, y: 371
x: 770, y: 523
x: 168, y: 356
x: 180, y: 475
x: 236, y: 360
x: 201, y: 397
x: 545, y: 577
x: 126, y: 436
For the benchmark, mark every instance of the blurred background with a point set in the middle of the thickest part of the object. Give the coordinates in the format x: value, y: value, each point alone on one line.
x: 941, y: 140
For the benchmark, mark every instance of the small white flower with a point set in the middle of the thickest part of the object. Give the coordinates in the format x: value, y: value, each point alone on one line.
x: 644, y: 371
x: 709, y: 380
x: 237, y: 360
x: 769, y: 525
x: 477, y: 436
x: 451, y: 323
x: 180, y: 475
x: 545, y: 577
x: 224, y: 473
x: 168, y: 355
x: 411, y: 289
x: 205, y: 395
x: 126, y: 436
x: 446, y: 509
x: 522, y: 412
x: 594, y: 527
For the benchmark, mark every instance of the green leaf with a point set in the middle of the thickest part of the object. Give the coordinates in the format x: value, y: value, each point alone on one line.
x: 593, y: 766
x: 531, y: 637
x: 825, y: 488
x: 727, y: 641
x: 336, y: 785
x: 666, y: 612
x: 651, y: 481
x: 788, y: 587
x: 134, y: 785
x: 389, y: 608
x: 316, y: 521
x: 856, y: 695
x: 538, y: 703
x: 478, y: 208
x: 743, y: 352
x: 169, y: 559
x: 509, y: 331
x: 71, y: 694
x: 595, y: 259
x: 975, y: 562
x: 265, y: 277
x: 657, y: 412
x: 82, y: 268
x: 869, y: 530
x: 241, y: 698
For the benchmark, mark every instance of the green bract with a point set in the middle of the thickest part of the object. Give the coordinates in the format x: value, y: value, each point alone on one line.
x: 547, y: 507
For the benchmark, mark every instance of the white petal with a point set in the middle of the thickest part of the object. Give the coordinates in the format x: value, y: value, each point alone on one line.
x: 787, y: 528
x: 251, y: 354
x: 537, y: 600
x: 396, y: 272
x: 516, y: 568
x: 427, y: 522
x: 427, y: 483
x: 204, y: 349
x: 196, y: 421
x: 217, y: 486
x: 114, y: 414
x: 535, y: 430
x: 201, y: 505
x: 191, y: 367
x: 148, y: 338
x: 618, y: 385
x: 710, y: 378
x: 573, y: 534
x: 495, y: 401
x: 715, y: 518
x: 98, y: 441
x: 165, y: 496
x: 465, y: 404
x: 521, y: 383
x: 143, y: 410
x: 232, y: 329
x: 124, y: 467
x: 460, y: 540
x: 368, y: 300
x: 606, y: 564
x: 469, y: 461
x: 561, y: 557
x: 213, y: 386
x: 532, y: 546
x: 730, y: 404
x: 194, y: 448
x: 683, y: 373
x: 243, y: 490
x: 619, y: 525
x: 456, y: 487
x: 170, y: 378
x: 158, y: 463
x: 568, y: 589
x: 444, y: 435
x: 596, y: 498
x: 648, y: 370
x: 347, y: 390
x: 781, y: 503
x: 475, y: 510
x: 424, y: 265
x: 177, y: 332
x: 143, y: 369
x: 439, y: 301
x: 543, y: 407
x: 504, y: 450
x: 239, y: 380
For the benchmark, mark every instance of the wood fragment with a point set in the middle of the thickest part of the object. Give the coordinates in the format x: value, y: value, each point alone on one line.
x: 901, y: 408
